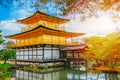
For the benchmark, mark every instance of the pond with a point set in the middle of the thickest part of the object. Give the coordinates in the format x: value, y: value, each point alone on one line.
x: 63, y: 74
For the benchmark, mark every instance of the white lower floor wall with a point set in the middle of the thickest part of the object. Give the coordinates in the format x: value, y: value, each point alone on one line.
x: 47, y: 54
x: 56, y: 54
x: 37, y: 53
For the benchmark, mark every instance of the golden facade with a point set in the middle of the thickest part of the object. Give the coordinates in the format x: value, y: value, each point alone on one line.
x: 45, y: 30
x: 41, y: 38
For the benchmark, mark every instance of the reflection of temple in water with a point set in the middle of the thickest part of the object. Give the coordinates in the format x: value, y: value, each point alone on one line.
x: 64, y: 75
x: 26, y: 75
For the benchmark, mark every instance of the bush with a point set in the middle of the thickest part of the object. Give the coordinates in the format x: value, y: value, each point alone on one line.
x: 27, y: 68
x: 1, y: 75
x: 33, y: 67
x: 4, y: 67
x: 6, y: 74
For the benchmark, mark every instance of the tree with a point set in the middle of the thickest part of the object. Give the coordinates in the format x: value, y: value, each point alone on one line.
x: 1, y: 38
x: 114, y: 47
x: 105, y: 49
x: 9, y: 44
x: 96, y: 47
x: 70, y: 4
x: 7, y: 54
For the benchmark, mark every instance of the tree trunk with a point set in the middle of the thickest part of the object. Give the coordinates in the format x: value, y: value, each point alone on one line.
x: 86, y: 68
x: 98, y: 76
x: 97, y: 62
x: 106, y: 62
x: 5, y: 61
x: 111, y: 64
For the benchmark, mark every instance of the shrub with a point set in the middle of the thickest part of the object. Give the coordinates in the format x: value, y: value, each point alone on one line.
x: 1, y: 75
x: 33, y: 67
x: 6, y: 74
x: 4, y: 67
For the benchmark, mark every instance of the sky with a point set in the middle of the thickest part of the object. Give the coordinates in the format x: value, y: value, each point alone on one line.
x: 92, y: 26
x: 102, y: 25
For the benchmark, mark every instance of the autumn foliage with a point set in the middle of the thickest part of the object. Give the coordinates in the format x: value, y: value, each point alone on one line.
x: 103, y: 49
x: 86, y: 8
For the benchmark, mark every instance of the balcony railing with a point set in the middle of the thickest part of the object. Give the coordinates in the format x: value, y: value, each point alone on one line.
x: 73, y: 43
x: 45, y: 24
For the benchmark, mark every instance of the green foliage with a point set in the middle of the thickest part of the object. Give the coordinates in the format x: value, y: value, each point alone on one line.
x: 3, y: 71
x: 1, y: 75
x: 6, y: 74
x: 26, y: 68
x: 33, y: 67
x: 118, y: 64
x: 4, y: 67
x: 7, y: 54
x: 1, y: 38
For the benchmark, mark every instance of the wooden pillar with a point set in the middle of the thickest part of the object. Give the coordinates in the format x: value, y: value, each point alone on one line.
x: 19, y: 54
x: 78, y: 57
x: 78, y: 54
x: 32, y: 53
x: 28, y: 54
x: 73, y: 57
x: 65, y: 54
x: 68, y: 64
x: 52, y: 52
x: 23, y: 54
x: 36, y: 52
x: 16, y: 56
x: 59, y: 53
x: 43, y: 51
x: 72, y: 54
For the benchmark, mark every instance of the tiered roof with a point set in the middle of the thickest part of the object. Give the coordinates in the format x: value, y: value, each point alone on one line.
x: 42, y: 16
x: 40, y: 29
x: 44, y: 30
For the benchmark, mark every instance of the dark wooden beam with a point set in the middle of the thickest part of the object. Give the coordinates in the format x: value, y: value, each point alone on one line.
x: 52, y: 52
x: 43, y: 51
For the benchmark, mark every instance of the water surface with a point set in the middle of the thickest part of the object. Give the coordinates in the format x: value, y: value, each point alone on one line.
x: 63, y: 74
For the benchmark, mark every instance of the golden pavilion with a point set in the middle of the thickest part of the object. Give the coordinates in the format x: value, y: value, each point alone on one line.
x: 42, y: 38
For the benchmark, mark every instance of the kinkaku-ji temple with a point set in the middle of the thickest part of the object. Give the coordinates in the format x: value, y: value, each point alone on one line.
x: 41, y: 40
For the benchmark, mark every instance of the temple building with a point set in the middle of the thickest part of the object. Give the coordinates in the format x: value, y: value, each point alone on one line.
x: 73, y: 54
x: 42, y: 38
